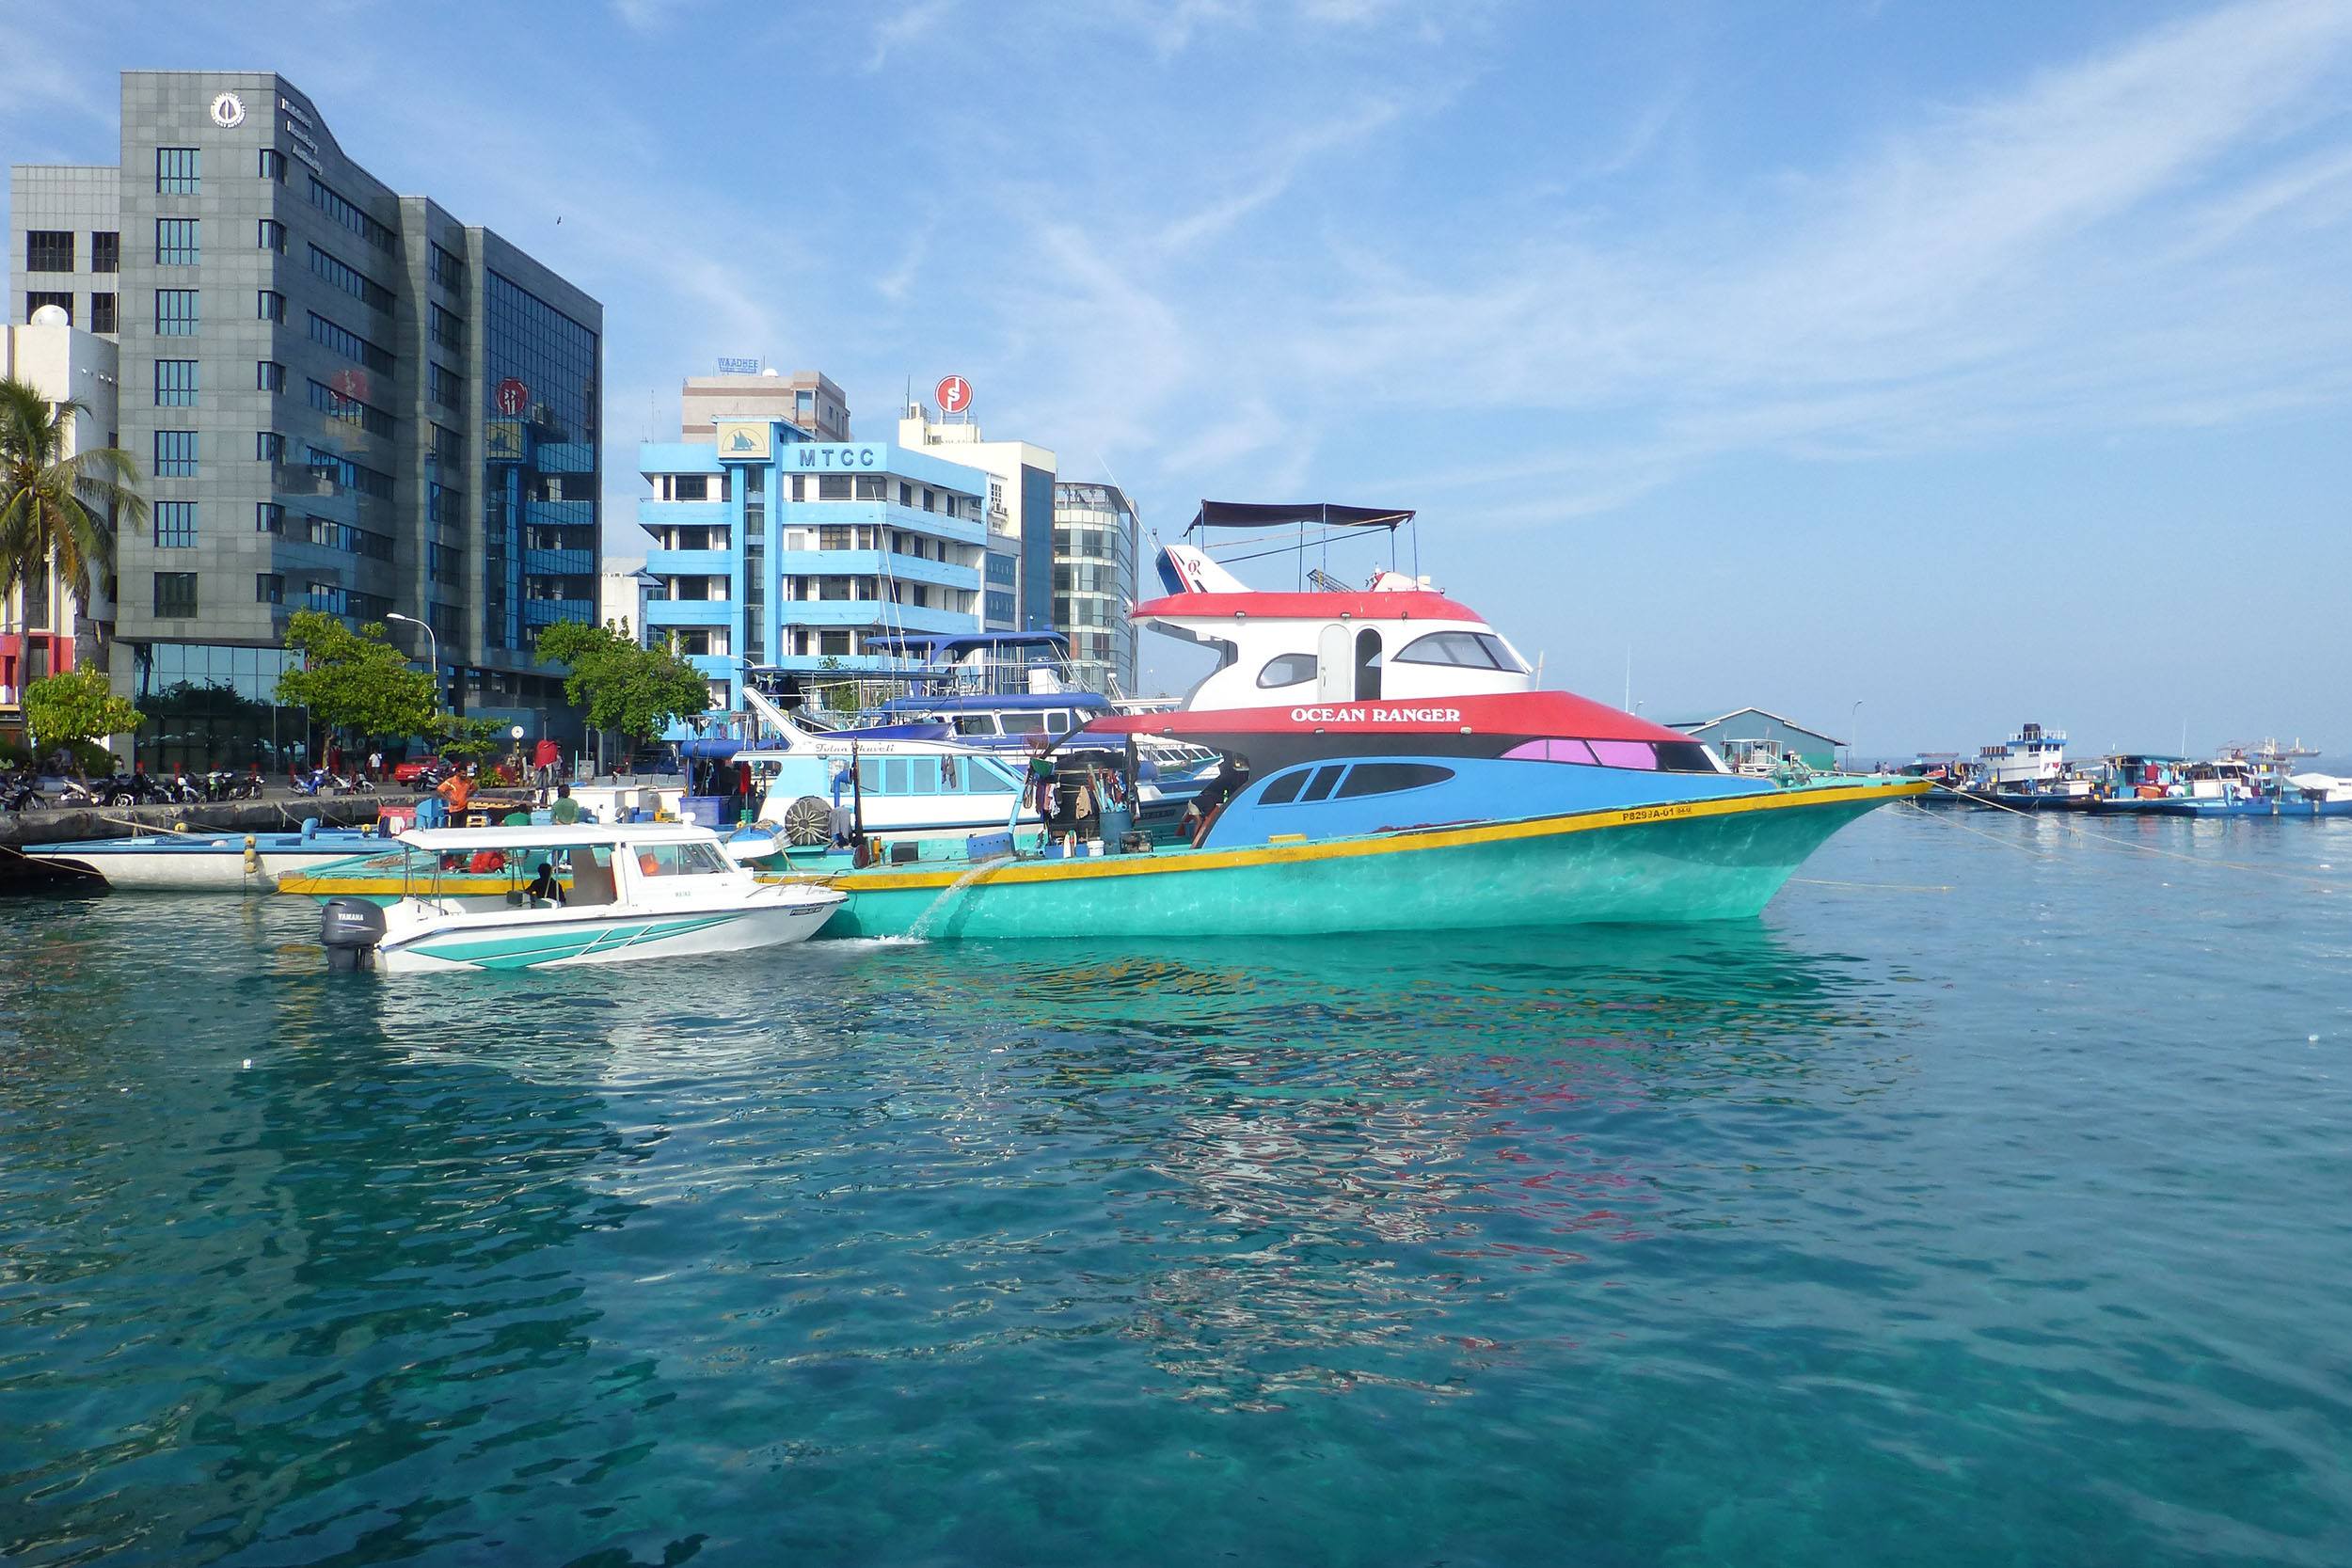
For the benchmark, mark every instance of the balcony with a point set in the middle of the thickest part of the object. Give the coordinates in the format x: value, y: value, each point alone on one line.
x: 545, y: 612
x: 874, y: 613
x: 870, y: 563
x: 912, y: 519
x: 560, y: 563
x: 690, y: 563
x: 548, y: 514
x: 689, y: 612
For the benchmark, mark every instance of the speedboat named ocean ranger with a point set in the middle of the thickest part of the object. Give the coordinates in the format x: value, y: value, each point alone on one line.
x: 1389, y: 763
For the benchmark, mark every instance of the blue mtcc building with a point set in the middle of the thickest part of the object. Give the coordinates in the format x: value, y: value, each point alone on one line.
x: 776, y: 553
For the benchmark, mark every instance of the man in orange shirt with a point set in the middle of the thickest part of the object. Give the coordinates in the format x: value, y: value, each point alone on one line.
x: 456, y: 790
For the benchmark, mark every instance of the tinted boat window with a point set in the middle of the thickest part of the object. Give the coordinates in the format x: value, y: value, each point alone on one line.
x: 1325, y: 779
x: 1024, y: 723
x: 1450, y: 647
x: 1387, y: 778
x: 975, y: 723
x: 1626, y: 753
x: 1499, y: 651
x: 1684, y: 756
x: 1057, y: 721
x: 1287, y: 670
x: 1282, y: 791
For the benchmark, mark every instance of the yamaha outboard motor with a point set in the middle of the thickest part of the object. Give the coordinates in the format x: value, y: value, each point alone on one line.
x: 351, y: 930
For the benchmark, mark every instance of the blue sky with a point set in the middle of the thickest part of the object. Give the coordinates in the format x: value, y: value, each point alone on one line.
x: 1974, y: 363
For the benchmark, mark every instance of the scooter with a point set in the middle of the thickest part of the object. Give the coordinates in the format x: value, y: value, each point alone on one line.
x: 20, y: 792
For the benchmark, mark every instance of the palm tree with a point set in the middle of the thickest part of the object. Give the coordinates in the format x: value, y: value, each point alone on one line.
x: 56, y: 507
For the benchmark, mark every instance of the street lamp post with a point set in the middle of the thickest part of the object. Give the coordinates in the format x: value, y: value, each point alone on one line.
x: 432, y: 643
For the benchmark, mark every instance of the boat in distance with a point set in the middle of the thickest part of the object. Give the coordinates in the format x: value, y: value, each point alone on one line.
x: 574, y: 894
x: 204, y: 861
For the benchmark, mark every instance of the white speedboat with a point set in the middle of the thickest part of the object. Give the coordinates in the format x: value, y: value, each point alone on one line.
x: 578, y: 894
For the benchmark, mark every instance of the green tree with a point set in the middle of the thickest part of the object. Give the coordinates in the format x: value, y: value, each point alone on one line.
x: 470, y: 738
x: 54, y: 507
x: 355, y: 680
x: 636, y: 690
x: 78, y: 705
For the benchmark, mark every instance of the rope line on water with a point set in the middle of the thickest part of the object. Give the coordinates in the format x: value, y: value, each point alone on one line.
x: 2084, y: 832
x: 1875, y: 887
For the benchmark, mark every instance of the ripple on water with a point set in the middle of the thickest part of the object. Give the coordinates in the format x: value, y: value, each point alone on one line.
x: 1993, y: 1226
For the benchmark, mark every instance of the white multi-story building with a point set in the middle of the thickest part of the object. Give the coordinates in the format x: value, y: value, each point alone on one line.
x: 1017, y: 574
x: 44, y: 629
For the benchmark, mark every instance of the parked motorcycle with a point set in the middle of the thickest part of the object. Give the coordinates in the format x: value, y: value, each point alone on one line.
x: 19, y: 791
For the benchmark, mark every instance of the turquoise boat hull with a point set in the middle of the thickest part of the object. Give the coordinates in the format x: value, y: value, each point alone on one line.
x: 1705, y: 860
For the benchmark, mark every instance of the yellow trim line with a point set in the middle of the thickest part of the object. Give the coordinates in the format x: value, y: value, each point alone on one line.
x: 1343, y: 849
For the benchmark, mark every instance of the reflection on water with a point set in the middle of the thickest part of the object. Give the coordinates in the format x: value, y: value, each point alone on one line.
x: 1732, y: 1243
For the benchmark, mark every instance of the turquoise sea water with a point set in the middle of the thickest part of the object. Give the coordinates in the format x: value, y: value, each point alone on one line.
x: 1990, y: 1210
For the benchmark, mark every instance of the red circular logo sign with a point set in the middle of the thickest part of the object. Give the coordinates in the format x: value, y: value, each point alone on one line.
x: 514, y: 397
x: 954, y: 394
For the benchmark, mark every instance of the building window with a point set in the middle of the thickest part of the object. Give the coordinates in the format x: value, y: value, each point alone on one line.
x: 272, y: 236
x: 175, y: 528
x: 270, y: 306
x: 175, y: 171
x: 269, y: 587
x: 175, y: 383
x: 350, y: 280
x: 268, y: 517
x: 101, y: 313
x: 175, y: 595
x: 444, y: 386
x: 872, y: 488
x: 800, y: 487
x: 326, y: 199
x: 832, y: 488
x: 268, y: 376
x: 175, y: 312
x: 175, y: 454
x: 445, y: 269
x: 349, y: 344
x: 36, y: 301
x: 106, y: 252
x: 754, y: 482
x: 269, y: 446
x: 351, y: 410
x: 273, y: 165
x: 692, y: 487
x: 176, y: 243
x: 833, y: 643
x: 49, y: 250
x: 448, y: 330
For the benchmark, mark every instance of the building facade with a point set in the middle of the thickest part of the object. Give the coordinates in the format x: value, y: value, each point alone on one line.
x: 1018, y: 567
x: 1753, y: 732
x: 44, y: 627
x: 1097, y: 534
x: 777, y: 553
x: 344, y: 399
x: 806, y: 399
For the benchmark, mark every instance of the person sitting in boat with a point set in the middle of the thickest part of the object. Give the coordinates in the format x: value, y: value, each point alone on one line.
x: 546, y: 888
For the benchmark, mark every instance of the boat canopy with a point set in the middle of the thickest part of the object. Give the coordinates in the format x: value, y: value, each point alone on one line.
x: 1300, y: 514
x: 708, y: 748
x: 1009, y: 701
x: 569, y: 835
x: 952, y: 646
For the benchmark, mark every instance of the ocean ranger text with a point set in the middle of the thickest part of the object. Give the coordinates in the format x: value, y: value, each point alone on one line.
x: 1376, y: 716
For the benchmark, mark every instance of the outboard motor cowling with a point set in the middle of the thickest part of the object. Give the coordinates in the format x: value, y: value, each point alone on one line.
x: 351, y: 930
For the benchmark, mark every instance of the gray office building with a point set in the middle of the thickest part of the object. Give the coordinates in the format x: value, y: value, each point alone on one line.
x: 345, y: 400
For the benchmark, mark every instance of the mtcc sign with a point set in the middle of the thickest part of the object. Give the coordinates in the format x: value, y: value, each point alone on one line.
x: 872, y: 455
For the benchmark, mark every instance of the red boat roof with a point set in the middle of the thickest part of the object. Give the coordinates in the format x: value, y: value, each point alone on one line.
x: 1413, y: 604
x: 1528, y: 713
